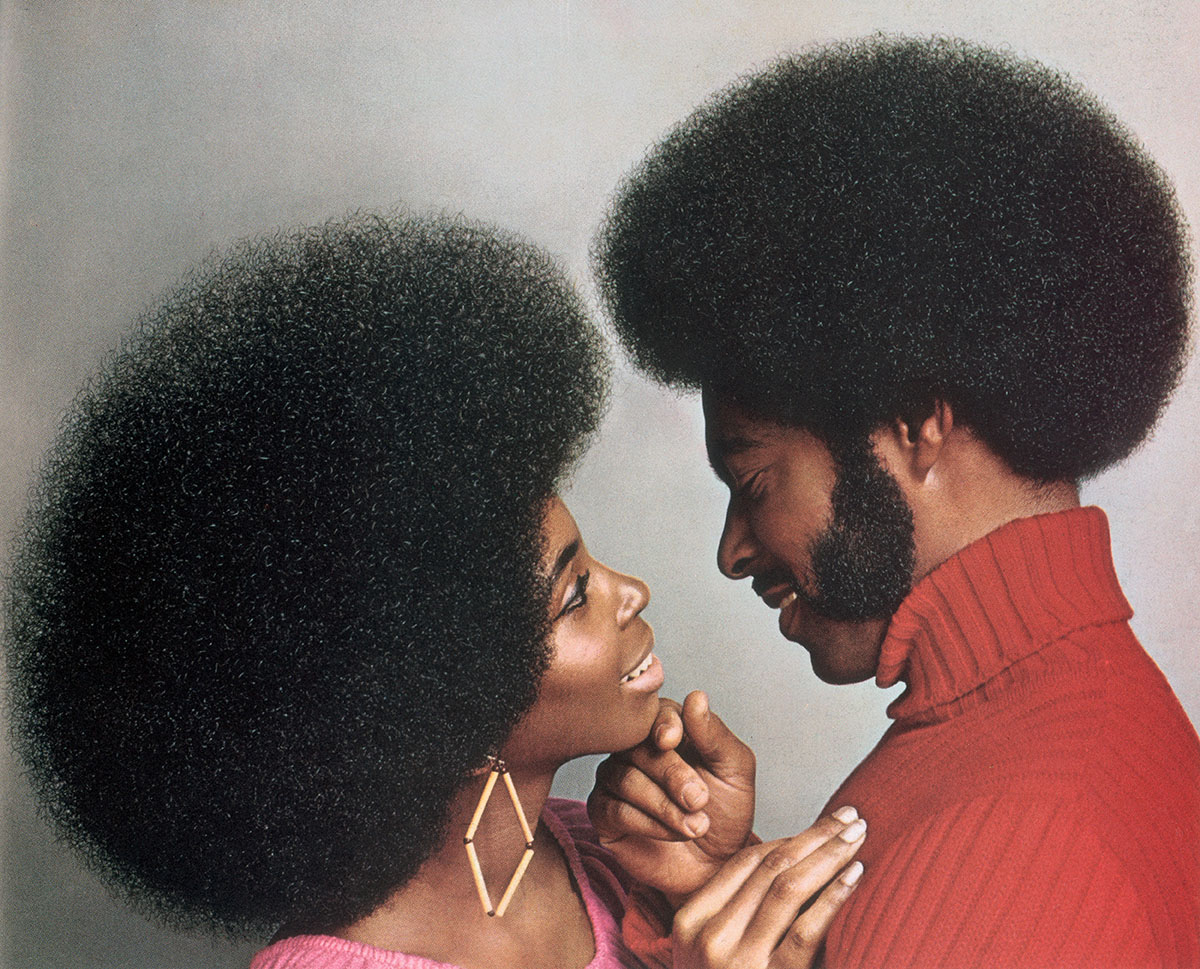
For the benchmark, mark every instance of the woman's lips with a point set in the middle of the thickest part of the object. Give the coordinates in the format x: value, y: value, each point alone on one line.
x: 647, y: 675
x: 638, y: 670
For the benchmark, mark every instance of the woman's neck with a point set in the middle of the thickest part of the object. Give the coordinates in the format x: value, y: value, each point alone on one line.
x: 439, y: 913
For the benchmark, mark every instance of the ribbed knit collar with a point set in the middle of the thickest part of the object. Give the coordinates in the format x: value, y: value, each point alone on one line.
x: 997, y: 601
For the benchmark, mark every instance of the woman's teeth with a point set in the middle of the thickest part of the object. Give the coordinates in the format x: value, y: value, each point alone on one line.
x: 635, y: 673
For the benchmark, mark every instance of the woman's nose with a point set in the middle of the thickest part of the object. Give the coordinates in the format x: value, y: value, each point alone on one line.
x: 635, y: 596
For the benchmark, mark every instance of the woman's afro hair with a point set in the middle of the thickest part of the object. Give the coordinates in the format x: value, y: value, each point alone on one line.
x: 864, y: 227
x: 280, y: 591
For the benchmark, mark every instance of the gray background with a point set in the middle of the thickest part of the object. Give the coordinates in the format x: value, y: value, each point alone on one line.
x: 134, y: 136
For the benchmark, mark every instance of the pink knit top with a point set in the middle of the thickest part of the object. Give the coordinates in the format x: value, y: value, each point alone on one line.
x: 602, y: 884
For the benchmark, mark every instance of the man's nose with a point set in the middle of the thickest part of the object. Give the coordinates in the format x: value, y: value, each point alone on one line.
x: 736, y: 550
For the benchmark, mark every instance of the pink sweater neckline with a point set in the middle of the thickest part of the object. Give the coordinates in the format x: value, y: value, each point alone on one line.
x: 330, y: 952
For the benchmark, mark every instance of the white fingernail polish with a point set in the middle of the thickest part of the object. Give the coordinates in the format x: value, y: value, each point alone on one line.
x: 846, y: 814
x: 855, y: 831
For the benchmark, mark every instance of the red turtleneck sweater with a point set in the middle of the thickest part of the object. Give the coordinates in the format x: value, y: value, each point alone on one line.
x: 1036, y: 802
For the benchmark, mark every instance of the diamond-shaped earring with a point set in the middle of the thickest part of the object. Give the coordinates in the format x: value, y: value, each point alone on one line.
x: 498, y: 770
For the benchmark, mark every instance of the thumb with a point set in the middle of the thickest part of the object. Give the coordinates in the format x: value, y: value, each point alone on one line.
x: 723, y: 753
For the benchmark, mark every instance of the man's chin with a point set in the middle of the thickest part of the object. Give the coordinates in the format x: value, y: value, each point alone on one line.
x: 841, y: 651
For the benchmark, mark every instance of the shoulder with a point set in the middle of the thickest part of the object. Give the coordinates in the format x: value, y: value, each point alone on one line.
x: 328, y: 952
x: 1017, y: 880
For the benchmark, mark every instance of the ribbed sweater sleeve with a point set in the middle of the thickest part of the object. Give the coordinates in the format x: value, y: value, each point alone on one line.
x: 997, y: 883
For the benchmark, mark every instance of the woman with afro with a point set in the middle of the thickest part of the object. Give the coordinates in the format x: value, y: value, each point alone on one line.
x: 299, y: 631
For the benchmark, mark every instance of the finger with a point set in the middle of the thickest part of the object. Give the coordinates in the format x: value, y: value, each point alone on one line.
x: 821, y: 831
x: 803, y: 939
x: 718, y: 914
x: 678, y: 779
x: 731, y: 921
x: 667, y: 731
x: 722, y: 751
x: 793, y: 888
x: 626, y: 801
x: 714, y: 896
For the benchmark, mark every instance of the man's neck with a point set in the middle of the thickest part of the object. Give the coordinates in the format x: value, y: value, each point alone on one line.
x: 968, y: 493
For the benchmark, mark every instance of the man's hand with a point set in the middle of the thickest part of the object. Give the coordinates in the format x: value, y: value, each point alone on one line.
x: 674, y: 808
x: 770, y: 906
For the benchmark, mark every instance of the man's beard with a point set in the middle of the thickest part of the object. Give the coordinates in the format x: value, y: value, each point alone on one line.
x: 862, y: 564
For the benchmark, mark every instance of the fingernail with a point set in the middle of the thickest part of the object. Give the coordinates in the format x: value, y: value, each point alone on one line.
x: 852, y: 874
x: 854, y: 831
x: 693, y: 794
x: 696, y: 826
x: 846, y: 814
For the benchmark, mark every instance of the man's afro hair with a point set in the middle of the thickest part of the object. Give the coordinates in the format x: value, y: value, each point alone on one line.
x: 280, y: 590
x: 855, y: 230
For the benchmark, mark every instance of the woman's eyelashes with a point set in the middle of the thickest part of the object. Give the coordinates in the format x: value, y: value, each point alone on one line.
x: 578, y: 597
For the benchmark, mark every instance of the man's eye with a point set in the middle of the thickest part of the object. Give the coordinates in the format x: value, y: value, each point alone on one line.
x: 751, y: 487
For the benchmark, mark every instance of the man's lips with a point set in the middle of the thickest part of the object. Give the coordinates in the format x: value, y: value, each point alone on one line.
x: 776, y: 593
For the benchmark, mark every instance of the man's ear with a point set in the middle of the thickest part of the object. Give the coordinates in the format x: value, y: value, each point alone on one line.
x: 911, y: 444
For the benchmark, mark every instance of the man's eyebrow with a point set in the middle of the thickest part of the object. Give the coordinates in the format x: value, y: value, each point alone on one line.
x: 737, y: 445
x: 564, y: 558
x: 724, y: 447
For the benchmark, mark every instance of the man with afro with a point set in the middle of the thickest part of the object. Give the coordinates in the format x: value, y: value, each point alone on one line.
x: 925, y: 289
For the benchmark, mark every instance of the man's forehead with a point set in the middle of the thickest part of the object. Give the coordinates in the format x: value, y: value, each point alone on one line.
x: 730, y: 430
x: 732, y: 427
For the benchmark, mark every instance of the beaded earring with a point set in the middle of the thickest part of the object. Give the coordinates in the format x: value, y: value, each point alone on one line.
x: 498, y: 770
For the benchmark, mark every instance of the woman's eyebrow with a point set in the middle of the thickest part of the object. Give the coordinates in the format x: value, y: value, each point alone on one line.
x: 564, y: 557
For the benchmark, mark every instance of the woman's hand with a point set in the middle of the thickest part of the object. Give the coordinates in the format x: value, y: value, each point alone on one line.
x: 674, y: 808
x: 752, y: 914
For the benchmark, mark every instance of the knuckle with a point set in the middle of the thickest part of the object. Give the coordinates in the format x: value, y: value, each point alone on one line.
x: 664, y: 808
x: 624, y: 814
x: 644, y: 759
x: 802, y: 937
x: 677, y: 772
x: 789, y: 886
x: 778, y: 861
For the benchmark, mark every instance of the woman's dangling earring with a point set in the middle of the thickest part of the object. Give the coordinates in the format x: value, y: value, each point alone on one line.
x: 498, y: 770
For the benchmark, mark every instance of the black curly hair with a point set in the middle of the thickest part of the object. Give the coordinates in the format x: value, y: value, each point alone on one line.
x: 859, y: 229
x: 280, y: 591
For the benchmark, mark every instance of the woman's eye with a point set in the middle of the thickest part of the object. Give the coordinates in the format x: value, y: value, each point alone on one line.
x: 578, y: 594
